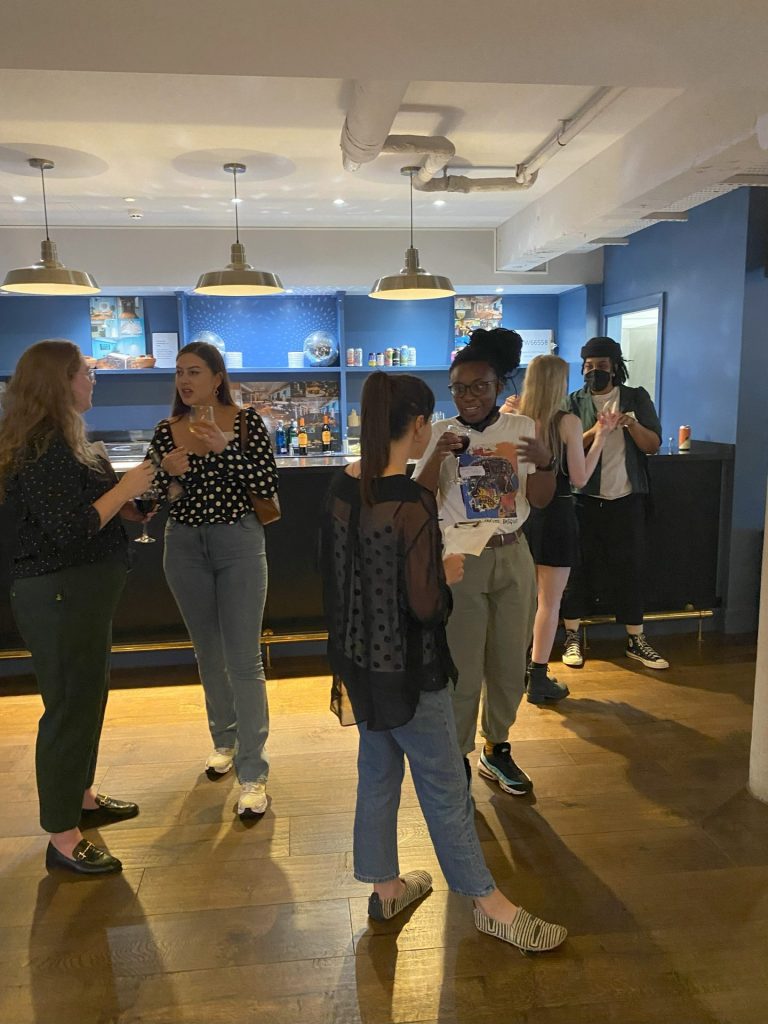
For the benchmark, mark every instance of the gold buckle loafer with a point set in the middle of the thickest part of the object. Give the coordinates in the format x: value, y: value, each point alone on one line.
x: 86, y: 859
x: 108, y: 809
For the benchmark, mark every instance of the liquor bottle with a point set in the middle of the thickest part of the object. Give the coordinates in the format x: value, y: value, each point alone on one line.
x: 293, y: 434
x: 302, y: 437
x: 281, y: 445
x: 326, y: 434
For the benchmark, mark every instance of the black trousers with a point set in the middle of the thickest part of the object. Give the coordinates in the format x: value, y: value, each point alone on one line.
x: 611, y: 577
x: 65, y: 620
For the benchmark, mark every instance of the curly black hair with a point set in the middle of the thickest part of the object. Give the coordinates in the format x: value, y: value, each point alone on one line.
x: 500, y: 348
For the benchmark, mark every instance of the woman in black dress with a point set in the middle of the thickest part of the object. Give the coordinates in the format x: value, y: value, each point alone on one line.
x: 553, y: 533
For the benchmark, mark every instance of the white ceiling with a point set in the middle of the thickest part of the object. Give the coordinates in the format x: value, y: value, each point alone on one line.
x: 148, y: 100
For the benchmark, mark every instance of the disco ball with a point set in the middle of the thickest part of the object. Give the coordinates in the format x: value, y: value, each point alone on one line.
x: 210, y: 338
x: 320, y: 349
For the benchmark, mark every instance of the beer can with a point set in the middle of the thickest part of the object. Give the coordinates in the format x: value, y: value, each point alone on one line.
x: 371, y: 358
x: 684, y: 438
x: 350, y: 357
x: 379, y: 358
x: 358, y: 357
x: 411, y: 356
x: 404, y: 354
x: 388, y: 357
x: 395, y: 356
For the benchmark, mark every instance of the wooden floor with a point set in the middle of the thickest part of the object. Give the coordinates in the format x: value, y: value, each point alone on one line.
x: 641, y: 838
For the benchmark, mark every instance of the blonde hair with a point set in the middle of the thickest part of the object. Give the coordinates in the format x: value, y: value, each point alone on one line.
x: 38, y: 404
x: 545, y: 387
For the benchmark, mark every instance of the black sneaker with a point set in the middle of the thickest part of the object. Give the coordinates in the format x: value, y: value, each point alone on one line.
x: 543, y: 688
x: 639, y: 649
x: 500, y: 767
x: 573, y: 655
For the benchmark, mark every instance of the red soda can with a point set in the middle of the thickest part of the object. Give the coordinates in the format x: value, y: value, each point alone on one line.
x: 684, y: 438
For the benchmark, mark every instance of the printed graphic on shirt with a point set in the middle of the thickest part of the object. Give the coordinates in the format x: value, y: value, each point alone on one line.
x: 489, y: 481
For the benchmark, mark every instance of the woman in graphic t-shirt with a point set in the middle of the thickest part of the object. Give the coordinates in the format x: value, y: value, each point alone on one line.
x: 504, y: 471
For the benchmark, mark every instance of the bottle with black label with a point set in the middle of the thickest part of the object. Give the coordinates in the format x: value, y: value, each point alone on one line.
x: 325, y: 437
x: 293, y: 434
x: 303, y: 439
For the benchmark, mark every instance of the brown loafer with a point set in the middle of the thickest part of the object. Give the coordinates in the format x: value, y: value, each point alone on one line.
x: 86, y: 859
x: 108, y: 810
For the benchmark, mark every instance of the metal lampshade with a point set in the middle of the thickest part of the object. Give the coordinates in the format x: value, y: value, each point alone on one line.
x: 413, y: 281
x: 238, y: 277
x: 48, y: 276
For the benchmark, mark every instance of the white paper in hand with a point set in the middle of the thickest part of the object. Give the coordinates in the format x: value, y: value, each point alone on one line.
x: 467, y: 538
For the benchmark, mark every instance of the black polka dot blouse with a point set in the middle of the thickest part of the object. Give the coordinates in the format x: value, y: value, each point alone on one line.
x: 386, y: 600
x: 56, y: 526
x: 216, y: 487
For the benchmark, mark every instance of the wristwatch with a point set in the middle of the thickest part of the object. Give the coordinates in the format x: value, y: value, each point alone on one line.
x: 549, y: 466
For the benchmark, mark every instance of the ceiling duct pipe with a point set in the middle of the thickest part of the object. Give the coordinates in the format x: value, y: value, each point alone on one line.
x: 369, y: 119
x: 461, y: 183
x: 569, y: 129
x: 436, y: 150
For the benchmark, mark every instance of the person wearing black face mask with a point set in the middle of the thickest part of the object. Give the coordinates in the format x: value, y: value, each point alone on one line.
x: 611, y: 508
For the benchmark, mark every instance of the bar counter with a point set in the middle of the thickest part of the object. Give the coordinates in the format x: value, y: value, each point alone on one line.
x: 687, y: 551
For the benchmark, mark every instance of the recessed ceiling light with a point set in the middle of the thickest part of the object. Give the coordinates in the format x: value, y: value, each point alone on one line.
x: 339, y: 202
x: 439, y: 202
x: 237, y: 199
x: 19, y: 199
x: 128, y: 199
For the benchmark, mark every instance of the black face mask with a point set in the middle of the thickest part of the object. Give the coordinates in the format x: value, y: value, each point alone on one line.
x: 597, y: 380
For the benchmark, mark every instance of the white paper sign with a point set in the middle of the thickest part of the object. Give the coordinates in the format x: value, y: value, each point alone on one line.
x: 536, y: 343
x: 468, y: 538
x: 165, y: 348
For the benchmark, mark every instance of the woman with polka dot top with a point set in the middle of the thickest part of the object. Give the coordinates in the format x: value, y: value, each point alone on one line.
x: 215, y: 561
x: 69, y: 559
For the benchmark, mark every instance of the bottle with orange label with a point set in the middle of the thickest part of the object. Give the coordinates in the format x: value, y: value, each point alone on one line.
x: 303, y: 439
x: 325, y: 436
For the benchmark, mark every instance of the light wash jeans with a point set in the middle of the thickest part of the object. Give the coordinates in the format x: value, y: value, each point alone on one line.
x: 429, y: 741
x: 218, y: 574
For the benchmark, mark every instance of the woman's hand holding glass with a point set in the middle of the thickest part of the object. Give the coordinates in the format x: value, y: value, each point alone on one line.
x: 137, y: 480
x: 176, y: 462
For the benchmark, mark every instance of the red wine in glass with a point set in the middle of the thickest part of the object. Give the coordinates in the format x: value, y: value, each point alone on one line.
x: 146, y: 503
x: 463, y: 440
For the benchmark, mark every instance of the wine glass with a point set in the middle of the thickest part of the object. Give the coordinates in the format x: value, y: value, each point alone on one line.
x: 200, y: 414
x: 146, y: 503
x: 462, y: 436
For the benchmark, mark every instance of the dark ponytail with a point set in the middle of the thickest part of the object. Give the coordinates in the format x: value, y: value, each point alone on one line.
x: 389, y: 404
x: 500, y: 348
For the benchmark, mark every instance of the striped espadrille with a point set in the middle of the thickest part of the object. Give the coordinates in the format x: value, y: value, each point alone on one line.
x: 530, y: 934
x: 417, y: 883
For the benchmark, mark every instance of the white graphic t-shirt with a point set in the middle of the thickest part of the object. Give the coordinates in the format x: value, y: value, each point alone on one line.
x: 487, y: 482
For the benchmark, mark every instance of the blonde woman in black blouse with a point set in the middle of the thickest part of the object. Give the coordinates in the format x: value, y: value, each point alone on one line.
x: 68, y: 567
x: 215, y: 560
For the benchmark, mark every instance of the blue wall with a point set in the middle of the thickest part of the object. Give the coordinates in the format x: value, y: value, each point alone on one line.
x: 27, y: 319
x: 700, y: 268
x: 715, y: 353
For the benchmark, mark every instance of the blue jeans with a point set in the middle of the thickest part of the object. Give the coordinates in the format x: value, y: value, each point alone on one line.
x: 218, y: 574
x: 429, y: 741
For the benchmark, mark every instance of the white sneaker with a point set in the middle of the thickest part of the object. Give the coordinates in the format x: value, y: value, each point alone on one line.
x: 573, y: 655
x: 219, y: 762
x: 253, y: 800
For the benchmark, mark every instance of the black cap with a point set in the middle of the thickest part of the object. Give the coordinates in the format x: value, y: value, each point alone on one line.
x: 599, y: 347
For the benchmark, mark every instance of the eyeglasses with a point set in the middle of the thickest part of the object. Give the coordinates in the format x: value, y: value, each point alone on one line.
x: 478, y: 388
x: 91, y: 375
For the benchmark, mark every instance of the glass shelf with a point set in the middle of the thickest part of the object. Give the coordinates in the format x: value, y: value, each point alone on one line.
x: 155, y: 371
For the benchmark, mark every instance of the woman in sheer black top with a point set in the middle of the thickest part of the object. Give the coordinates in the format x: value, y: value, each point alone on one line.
x: 386, y: 603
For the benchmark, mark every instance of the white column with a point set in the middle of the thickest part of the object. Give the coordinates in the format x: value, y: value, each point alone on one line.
x: 758, y: 760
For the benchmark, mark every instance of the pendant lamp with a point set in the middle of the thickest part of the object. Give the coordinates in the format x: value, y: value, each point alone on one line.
x: 48, y: 276
x: 238, y: 277
x: 413, y: 282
